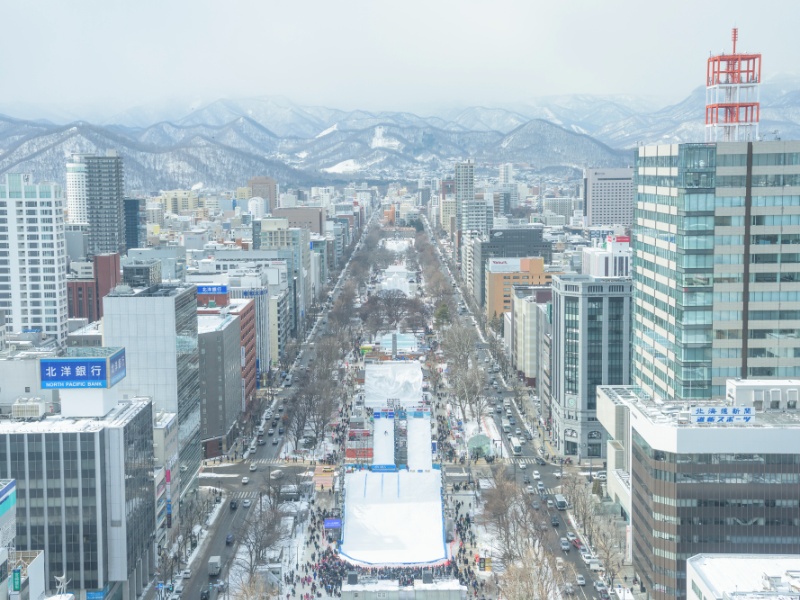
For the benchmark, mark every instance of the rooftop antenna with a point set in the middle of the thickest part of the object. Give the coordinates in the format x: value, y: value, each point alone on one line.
x: 733, y: 109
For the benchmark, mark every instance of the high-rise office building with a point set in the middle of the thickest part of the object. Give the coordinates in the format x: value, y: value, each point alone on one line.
x: 715, y: 477
x: 95, y: 195
x: 221, y: 391
x: 157, y: 326
x: 135, y: 222
x: 716, y: 266
x: 503, y: 242
x: 85, y: 490
x: 608, y: 197
x: 465, y: 193
x: 33, y: 256
x: 591, y: 335
x: 506, y: 174
x: 266, y: 188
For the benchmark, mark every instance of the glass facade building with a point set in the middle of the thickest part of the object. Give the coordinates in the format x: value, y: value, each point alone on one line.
x: 85, y: 495
x: 591, y: 326
x: 716, y: 266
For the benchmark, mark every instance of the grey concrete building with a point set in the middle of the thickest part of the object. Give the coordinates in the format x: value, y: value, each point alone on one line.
x: 591, y: 335
x: 221, y: 392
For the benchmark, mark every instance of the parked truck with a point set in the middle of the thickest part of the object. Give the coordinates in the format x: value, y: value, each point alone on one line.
x: 214, y: 566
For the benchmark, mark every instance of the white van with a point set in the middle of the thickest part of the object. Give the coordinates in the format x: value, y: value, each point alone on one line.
x: 507, y: 403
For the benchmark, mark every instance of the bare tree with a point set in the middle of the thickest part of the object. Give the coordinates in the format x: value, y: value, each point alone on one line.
x: 459, y: 345
x: 468, y: 382
x: 296, y: 425
x: 261, y: 532
x: 580, y: 497
x: 252, y: 588
x: 609, y: 545
x: 533, y: 577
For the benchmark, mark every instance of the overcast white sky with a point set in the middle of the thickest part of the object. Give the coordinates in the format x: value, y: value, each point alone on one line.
x: 96, y: 57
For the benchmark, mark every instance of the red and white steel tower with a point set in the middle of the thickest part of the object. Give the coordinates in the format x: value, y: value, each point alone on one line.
x: 732, y: 96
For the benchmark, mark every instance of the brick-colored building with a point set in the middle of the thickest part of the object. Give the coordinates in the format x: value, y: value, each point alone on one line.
x: 85, y: 296
x: 305, y: 217
x: 504, y: 273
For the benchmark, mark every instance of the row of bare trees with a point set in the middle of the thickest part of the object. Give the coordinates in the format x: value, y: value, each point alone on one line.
x: 529, y: 559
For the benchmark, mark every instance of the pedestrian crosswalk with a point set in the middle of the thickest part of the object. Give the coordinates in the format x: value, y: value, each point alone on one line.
x: 249, y: 495
x: 275, y: 462
x: 528, y: 460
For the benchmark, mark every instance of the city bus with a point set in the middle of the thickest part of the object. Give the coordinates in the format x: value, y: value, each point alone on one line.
x: 561, y: 502
x: 516, y: 446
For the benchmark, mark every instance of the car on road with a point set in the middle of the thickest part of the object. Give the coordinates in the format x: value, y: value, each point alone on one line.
x: 537, y: 475
x: 543, y: 525
x: 186, y: 574
x: 586, y: 555
x: 246, y: 503
x: 513, y: 421
x: 600, y: 476
x: 276, y: 441
x: 571, y: 536
x: 550, y: 503
x: 540, y: 461
x: 530, y: 489
x: 245, y: 480
x: 281, y: 430
x: 565, y: 545
x: 536, y: 505
x: 580, y: 579
x: 526, y: 480
x: 204, y: 594
x: 229, y: 539
x: 577, y: 543
x: 253, y: 467
x: 234, y: 505
x: 518, y: 432
x: 555, y: 521
x: 271, y: 431
x: 261, y: 442
x: 604, y: 595
x: 600, y: 586
x: 327, y: 469
x: 522, y: 464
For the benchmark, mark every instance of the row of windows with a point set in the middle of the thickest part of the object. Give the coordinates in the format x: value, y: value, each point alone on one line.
x: 771, y: 159
x: 726, y: 502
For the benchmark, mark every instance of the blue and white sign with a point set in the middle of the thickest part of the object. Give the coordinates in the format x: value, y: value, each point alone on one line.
x: 65, y: 373
x: 723, y: 414
x: 333, y: 523
x: 211, y: 289
x: 383, y: 468
x: 82, y: 372
x: 116, y: 367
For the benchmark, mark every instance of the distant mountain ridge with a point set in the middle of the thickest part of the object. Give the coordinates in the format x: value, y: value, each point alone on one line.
x: 225, y: 142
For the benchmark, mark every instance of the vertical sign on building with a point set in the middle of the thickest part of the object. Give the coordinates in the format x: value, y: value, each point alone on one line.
x: 169, y: 498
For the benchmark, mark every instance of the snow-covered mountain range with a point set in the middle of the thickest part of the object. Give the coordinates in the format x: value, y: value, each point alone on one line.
x: 225, y: 142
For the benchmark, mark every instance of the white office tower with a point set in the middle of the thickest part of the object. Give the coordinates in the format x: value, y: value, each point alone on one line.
x: 33, y: 256
x: 76, y: 193
x: 608, y: 197
x: 256, y: 207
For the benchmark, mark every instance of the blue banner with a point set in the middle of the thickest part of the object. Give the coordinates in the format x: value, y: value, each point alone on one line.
x: 211, y: 289
x: 64, y: 373
x: 117, y: 369
x: 333, y: 523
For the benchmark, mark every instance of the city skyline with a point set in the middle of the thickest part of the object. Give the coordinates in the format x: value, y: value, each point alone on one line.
x: 332, y: 54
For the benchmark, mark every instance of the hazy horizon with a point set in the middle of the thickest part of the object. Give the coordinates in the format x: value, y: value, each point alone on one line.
x: 94, y: 60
